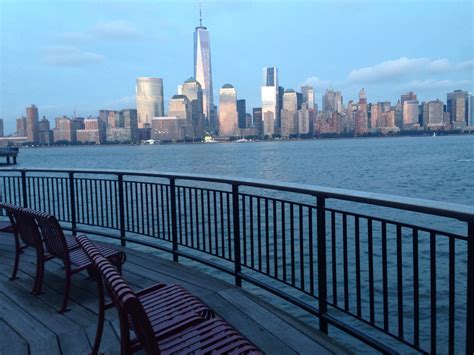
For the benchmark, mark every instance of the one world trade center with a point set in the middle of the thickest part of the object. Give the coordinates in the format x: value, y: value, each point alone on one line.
x: 203, y: 73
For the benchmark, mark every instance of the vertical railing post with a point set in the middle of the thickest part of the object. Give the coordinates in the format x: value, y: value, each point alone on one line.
x: 121, y: 210
x: 470, y: 289
x: 174, y: 224
x: 72, y: 201
x: 236, y: 222
x: 322, y: 266
x: 23, y: 189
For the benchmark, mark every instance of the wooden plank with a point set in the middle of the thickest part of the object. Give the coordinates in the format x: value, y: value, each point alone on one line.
x: 72, y: 337
x: 292, y: 337
x: 40, y: 339
x: 10, y: 341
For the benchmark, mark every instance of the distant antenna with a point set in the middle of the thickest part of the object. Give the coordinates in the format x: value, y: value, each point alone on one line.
x: 200, y: 14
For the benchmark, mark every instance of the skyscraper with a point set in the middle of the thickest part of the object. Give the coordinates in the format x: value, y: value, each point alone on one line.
x: 192, y: 89
x: 457, y: 105
x: 410, y: 114
x: 32, y: 121
x: 308, y: 96
x: 203, y: 70
x: 270, y: 114
x: 332, y: 101
x: 289, y: 114
x: 1, y: 127
x: 150, y: 103
x: 180, y: 107
x: 228, y: 116
x: 241, y: 111
x: 21, y: 127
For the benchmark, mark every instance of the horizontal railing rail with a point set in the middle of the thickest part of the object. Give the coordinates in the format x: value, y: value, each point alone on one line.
x: 383, y: 274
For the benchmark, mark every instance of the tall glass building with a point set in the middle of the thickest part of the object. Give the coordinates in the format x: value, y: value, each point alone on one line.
x: 228, y: 116
x: 203, y: 71
x: 270, y: 111
x: 149, y: 100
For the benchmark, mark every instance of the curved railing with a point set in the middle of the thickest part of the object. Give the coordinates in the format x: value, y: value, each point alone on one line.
x: 393, y: 272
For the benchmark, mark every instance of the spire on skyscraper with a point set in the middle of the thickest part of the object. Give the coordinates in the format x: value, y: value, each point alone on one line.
x: 200, y: 14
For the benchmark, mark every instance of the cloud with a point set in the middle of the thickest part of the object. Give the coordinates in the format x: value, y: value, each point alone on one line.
x: 398, y: 68
x: 120, y: 103
x: 69, y: 56
x: 431, y: 84
x: 114, y: 30
x: 103, y: 31
x: 316, y: 82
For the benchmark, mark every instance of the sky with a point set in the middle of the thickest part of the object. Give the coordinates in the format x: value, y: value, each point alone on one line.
x: 79, y: 57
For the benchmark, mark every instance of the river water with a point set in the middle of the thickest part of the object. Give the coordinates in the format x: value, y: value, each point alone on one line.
x: 436, y: 168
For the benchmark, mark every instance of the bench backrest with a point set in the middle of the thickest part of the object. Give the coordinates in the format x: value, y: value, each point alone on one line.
x: 25, y: 225
x: 125, y: 300
x: 53, y: 236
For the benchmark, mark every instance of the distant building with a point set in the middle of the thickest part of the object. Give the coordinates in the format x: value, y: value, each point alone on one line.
x: 257, y: 119
x: 228, y: 116
x: 308, y: 96
x: 398, y: 114
x: 375, y: 116
x: 305, y: 120
x: 93, y: 131
x: 66, y: 129
x: 168, y: 129
x: 32, y: 121
x: 122, y: 126
x: 457, y: 105
x: 180, y: 107
x: 410, y: 96
x: 1, y: 127
x: 241, y: 113
x: 193, y: 91
x: 150, y: 103
x: 332, y: 101
x: 270, y: 107
x: 410, y: 114
x: 45, y: 134
x: 289, y: 114
x: 471, y: 111
x: 433, y: 117
x: 21, y: 127
x: 361, y: 115
x: 203, y: 72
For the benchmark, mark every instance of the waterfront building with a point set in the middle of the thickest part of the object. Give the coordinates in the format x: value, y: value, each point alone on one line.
x: 409, y: 96
x: 242, y: 113
x: 122, y: 127
x: 270, y: 102
x: 168, y: 129
x: 410, y: 114
x: 332, y: 101
x: 257, y: 119
x: 228, y: 115
x: 66, y: 129
x: 32, y: 121
x: 433, y: 114
x: 193, y: 91
x: 375, y: 116
x: 93, y: 131
x: 457, y: 105
x: 45, y: 134
x: 203, y: 72
x: 361, y: 115
x: 248, y: 120
x: 308, y: 96
x: 180, y: 107
x: 1, y: 127
x: 289, y: 114
x: 470, y: 120
x: 150, y: 103
x: 21, y: 127
x: 305, y: 120
x: 398, y: 114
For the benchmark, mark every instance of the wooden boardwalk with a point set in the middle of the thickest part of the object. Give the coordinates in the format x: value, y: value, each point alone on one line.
x: 31, y: 325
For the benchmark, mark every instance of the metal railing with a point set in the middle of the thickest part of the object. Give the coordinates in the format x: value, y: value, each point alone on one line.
x: 389, y: 271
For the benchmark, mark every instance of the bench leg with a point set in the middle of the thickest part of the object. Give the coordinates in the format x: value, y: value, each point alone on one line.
x: 67, y: 289
x: 101, y: 317
x: 18, y: 251
x: 37, y: 287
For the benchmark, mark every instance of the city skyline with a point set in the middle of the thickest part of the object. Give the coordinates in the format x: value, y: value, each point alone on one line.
x: 455, y: 68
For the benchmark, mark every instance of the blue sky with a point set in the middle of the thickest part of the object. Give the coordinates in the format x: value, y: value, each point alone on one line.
x: 83, y: 56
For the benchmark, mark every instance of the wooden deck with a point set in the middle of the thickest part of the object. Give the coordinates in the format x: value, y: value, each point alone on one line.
x: 31, y: 325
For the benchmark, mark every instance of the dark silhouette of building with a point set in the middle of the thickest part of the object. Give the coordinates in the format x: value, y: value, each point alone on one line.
x: 241, y: 113
x: 45, y: 134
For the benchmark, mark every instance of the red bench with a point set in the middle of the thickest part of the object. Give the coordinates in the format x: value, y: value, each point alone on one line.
x: 164, y: 319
